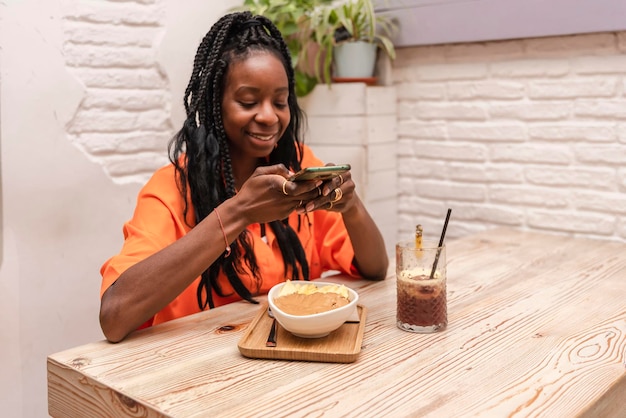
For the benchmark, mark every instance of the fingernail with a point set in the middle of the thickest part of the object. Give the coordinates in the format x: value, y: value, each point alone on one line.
x: 310, y: 207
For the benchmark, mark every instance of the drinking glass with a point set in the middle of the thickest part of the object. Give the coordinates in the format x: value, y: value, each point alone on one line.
x: 421, y: 287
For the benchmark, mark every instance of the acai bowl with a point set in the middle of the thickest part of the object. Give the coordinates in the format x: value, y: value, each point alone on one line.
x: 316, y: 308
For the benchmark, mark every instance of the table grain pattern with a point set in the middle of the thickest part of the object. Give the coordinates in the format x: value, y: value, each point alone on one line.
x: 537, y: 328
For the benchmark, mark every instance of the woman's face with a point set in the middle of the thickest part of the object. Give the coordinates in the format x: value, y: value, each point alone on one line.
x: 255, y: 110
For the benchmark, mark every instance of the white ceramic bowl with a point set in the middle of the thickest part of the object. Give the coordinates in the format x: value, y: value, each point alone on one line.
x: 315, y: 325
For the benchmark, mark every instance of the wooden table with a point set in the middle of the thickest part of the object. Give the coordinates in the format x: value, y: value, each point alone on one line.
x: 537, y: 329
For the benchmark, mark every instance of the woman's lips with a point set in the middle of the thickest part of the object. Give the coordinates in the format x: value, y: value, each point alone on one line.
x: 262, y: 137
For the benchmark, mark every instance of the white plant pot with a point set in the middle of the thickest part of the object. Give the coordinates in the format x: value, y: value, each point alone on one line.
x: 355, y: 59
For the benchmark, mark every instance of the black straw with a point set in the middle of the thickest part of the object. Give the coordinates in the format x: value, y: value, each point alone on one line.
x: 443, y: 234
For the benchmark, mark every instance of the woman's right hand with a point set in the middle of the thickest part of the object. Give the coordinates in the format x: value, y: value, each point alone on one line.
x: 268, y: 195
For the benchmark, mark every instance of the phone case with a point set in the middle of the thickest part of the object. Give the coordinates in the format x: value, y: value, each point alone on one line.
x: 320, y: 173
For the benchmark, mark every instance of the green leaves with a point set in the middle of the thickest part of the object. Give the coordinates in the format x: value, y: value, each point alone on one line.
x: 310, y: 28
x: 304, y: 83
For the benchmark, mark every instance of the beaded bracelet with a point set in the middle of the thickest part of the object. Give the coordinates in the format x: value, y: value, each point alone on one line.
x: 219, y: 219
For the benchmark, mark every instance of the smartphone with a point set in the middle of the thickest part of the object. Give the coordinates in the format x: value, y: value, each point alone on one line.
x: 320, y: 173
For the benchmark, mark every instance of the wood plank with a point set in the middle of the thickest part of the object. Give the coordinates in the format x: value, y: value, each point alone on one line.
x: 72, y: 395
x: 611, y: 403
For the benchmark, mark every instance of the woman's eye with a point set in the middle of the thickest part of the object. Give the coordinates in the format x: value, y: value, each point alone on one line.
x: 251, y: 104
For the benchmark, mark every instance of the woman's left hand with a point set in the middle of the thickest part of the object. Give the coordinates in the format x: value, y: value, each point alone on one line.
x: 336, y: 194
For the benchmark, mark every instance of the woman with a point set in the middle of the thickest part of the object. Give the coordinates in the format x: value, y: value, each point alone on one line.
x: 222, y: 222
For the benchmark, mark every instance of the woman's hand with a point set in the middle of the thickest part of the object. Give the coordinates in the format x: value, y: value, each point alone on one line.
x: 268, y: 195
x: 336, y: 194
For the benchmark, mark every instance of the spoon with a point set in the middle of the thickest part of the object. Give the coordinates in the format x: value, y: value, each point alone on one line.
x: 271, y: 338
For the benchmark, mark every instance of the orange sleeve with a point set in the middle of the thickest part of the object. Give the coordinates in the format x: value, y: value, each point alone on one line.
x: 156, y: 223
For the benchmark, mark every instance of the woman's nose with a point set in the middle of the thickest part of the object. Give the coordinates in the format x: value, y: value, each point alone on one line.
x: 266, y: 114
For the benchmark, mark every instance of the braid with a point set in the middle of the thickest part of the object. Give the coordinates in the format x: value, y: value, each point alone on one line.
x: 200, y: 151
x: 199, y: 63
x: 221, y: 132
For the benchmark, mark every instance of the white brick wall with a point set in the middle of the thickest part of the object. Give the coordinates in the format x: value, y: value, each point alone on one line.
x: 524, y: 133
x: 123, y: 122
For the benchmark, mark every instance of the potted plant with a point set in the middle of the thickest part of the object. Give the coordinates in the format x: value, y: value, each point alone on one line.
x: 319, y: 34
x: 350, y: 34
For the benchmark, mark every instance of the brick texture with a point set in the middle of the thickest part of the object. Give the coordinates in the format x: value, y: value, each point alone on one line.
x: 123, y: 122
x: 525, y: 133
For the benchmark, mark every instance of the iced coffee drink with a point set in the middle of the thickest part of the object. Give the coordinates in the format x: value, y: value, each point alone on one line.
x: 421, y: 287
x: 422, y: 305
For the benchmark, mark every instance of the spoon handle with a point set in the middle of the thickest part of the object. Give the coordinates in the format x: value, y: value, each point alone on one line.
x: 271, y: 338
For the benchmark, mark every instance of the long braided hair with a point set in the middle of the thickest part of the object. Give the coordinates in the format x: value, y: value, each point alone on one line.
x: 200, y: 150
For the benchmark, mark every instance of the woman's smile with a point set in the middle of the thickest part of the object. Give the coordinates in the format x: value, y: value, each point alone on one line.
x: 262, y: 137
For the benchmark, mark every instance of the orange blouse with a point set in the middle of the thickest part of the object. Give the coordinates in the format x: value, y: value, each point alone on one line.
x: 158, y: 222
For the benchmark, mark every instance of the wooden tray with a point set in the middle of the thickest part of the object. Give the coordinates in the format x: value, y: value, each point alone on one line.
x: 340, y: 346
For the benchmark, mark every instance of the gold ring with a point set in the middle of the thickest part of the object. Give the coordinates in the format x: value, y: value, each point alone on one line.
x: 331, y: 205
x: 285, y: 191
x: 340, y: 178
x: 338, y: 195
